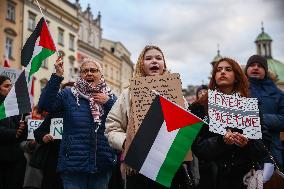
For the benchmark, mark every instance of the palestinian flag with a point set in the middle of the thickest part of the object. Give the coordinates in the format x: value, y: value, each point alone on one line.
x: 37, y: 48
x: 162, y: 141
x: 18, y: 100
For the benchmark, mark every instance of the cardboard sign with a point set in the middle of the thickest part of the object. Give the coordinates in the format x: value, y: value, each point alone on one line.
x: 33, y: 125
x: 233, y: 111
x: 56, y: 128
x: 168, y: 85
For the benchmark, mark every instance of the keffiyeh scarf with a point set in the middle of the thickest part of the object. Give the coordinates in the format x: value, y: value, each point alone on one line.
x: 85, y: 90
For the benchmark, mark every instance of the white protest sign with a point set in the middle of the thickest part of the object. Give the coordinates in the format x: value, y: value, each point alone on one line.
x: 56, y: 128
x: 233, y: 111
x: 13, y: 74
x: 33, y: 125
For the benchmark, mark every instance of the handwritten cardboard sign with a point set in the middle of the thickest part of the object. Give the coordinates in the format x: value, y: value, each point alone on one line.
x: 233, y: 111
x: 33, y: 125
x: 56, y: 128
x: 168, y: 85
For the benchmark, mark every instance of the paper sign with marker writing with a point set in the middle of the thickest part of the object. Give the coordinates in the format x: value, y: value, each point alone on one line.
x: 168, y: 85
x: 56, y: 128
x: 33, y: 125
x: 233, y: 111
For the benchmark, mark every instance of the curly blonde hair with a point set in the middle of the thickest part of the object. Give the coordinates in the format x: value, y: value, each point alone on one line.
x: 138, y: 71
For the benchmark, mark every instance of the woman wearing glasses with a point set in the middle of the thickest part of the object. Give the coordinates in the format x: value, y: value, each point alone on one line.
x: 85, y: 157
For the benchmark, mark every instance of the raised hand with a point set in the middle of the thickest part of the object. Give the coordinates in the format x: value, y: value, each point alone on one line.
x: 59, y: 67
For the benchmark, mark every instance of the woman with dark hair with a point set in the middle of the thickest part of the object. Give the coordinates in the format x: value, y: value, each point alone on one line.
x: 12, y: 132
x: 224, y: 160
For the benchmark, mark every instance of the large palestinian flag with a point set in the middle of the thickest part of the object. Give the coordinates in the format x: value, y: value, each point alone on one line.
x: 162, y: 141
x: 18, y: 100
x: 37, y: 48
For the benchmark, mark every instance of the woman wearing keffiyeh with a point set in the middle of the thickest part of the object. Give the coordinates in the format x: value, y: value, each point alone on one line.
x: 85, y: 157
x: 92, y: 86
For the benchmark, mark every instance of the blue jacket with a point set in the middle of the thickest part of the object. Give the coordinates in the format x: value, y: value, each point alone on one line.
x: 82, y: 149
x: 271, y: 100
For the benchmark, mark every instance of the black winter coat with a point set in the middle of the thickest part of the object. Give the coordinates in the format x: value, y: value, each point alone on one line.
x: 51, y: 179
x: 221, y: 165
x: 9, y: 144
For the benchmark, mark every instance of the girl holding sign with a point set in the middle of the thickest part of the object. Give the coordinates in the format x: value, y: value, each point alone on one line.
x: 120, y: 129
x: 224, y: 160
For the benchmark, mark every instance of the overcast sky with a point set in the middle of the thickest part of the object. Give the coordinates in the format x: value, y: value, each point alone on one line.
x: 188, y: 31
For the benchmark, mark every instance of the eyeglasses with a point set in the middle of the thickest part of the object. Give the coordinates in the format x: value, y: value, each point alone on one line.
x: 91, y: 70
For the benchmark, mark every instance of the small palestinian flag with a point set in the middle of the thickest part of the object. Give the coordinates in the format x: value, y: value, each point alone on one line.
x: 37, y: 48
x: 162, y: 141
x: 18, y: 100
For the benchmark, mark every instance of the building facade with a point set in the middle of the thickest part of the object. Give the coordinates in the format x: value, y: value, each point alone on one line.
x: 11, y: 27
x: 63, y: 23
x: 76, y: 33
x: 89, y: 36
x: 118, y: 67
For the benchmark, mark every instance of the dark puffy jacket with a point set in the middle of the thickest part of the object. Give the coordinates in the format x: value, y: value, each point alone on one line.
x: 271, y: 101
x: 82, y: 149
x: 222, y: 165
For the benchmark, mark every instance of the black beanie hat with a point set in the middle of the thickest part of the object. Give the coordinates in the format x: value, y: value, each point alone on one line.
x: 257, y: 59
x: 200, y: 88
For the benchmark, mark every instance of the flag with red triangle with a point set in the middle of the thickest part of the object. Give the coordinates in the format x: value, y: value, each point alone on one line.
x: 37, y: 48
x: 163, y: 140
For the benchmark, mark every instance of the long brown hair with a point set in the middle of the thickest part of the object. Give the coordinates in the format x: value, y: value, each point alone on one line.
x: 139, y: 72
x: 241, y: 84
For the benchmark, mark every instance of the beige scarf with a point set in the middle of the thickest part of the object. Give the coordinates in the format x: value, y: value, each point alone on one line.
x: 130, y: 133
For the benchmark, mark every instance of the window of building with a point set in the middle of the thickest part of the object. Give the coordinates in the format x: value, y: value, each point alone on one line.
x: 71, y: 42
x: 106, y: 70
x: 112, y: 49
x: 71, y: 75
x: 44, y: 63
x: 11, y: 12
x: 60, y: 36
x: 117, y: 76
x: 47, y: 22
x: 111, y: 73
x: 32, y: 21
x: 43, y: 83
x: 9, y: 46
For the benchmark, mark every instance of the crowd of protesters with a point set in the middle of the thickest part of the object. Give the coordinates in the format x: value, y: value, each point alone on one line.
x: 99, y: 128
